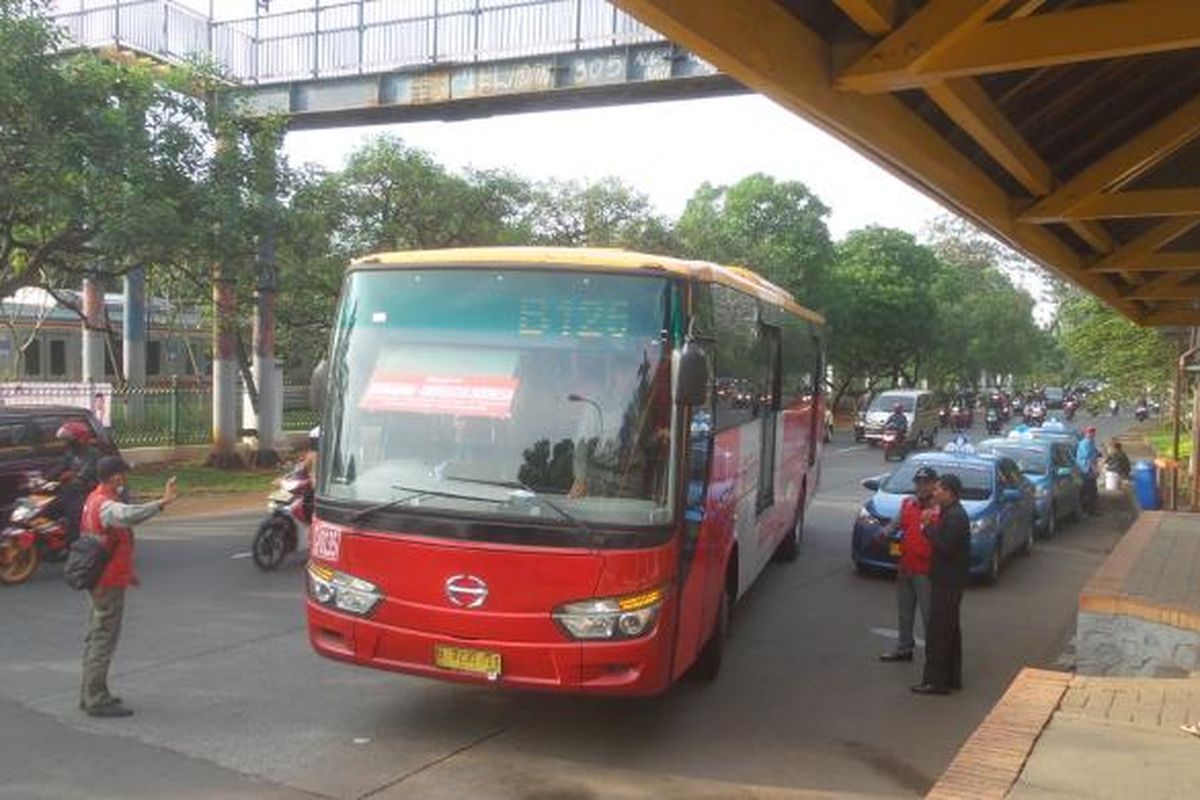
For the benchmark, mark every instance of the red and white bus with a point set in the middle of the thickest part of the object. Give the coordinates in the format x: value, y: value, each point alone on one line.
x: 556, y: 468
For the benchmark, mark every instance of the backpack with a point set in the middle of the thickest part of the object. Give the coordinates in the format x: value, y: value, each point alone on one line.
x: 86, y: 560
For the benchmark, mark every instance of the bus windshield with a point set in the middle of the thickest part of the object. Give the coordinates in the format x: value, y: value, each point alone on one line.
x: 507, y: 393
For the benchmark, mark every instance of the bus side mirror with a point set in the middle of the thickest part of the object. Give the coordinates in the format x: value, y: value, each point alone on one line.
x: 691, y: 375
x: 318, y: 386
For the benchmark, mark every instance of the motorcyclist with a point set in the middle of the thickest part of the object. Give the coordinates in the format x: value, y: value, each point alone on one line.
x: 897, y: 421
x: 76, y: 474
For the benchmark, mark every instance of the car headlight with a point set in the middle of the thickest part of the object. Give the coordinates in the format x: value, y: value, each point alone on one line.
x: 865, y: 517
x: 1040, y: 491
x: 341, y: 591
x: 981, y: 525
x: 611, y: 618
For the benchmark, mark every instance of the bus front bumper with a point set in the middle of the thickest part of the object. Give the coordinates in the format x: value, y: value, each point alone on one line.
x: 630, y: 667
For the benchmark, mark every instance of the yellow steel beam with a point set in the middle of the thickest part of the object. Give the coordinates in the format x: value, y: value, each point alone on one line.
x: 965, y: 102
x: 1026, y: 8
x: 1134, y: 252
x: 873, y: 16
x: 1175, y: 317
x: 1144, y: 203
x: 1124, y: 163
x: 1161, y: 287
x: 1092, y: 33
x: 926, y: 33
x: 761, y: 44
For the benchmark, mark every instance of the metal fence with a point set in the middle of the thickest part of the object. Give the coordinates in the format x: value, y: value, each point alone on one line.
x: 169, y: 414
x: 357, y: 36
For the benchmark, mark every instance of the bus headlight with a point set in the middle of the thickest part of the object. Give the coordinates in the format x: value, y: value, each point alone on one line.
x: 611, y: 618
x: 341, y: 591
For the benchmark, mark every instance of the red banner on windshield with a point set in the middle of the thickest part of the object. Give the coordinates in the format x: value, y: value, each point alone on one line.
x: 467, y: 395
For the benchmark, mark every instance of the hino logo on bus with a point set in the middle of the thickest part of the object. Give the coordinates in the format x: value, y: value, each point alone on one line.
x: 466, y: 591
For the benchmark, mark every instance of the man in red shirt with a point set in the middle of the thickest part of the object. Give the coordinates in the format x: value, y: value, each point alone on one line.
x: 912, y: 576
x: 105, y: 516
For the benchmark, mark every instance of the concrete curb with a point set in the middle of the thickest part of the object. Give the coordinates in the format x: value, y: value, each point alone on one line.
x: 991, y: 760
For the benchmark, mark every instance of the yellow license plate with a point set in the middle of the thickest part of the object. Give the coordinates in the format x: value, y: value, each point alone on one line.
x: 466, y: 659
x: 893, y: 548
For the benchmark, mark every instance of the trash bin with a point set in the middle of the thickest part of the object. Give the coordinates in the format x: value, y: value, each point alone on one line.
x: 1112, y: 480
x: 1145, y: 485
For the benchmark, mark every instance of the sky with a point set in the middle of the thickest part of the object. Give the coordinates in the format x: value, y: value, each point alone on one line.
x: 664, y: 150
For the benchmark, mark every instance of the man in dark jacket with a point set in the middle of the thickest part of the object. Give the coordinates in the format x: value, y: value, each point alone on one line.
x: 950, y: 538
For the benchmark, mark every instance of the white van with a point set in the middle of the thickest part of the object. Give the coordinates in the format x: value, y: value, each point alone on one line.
x: 918, y: 406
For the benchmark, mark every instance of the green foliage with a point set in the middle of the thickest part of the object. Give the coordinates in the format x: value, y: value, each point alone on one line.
x: 775, y: 227
x: 1105, y: 345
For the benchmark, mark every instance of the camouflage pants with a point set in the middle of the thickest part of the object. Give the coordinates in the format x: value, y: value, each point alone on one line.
x: 107, y: 605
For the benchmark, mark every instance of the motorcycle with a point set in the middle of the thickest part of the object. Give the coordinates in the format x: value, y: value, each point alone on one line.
x: 961, y: 418
x: 943, y: 417
x: 894, y: 443
x: 993, y: 422
x: 290, y: 515
x: 1069, y: 409
x: 37, y: 531
x: 1141, y: 413
x: 1035, y: 414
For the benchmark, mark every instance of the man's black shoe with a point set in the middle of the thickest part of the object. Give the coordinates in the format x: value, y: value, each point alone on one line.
x: 929, y: 688
x: 111, y: 711
x: 897, y: 655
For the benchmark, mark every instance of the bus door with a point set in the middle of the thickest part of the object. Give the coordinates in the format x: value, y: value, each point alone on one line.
x: 769, y: 418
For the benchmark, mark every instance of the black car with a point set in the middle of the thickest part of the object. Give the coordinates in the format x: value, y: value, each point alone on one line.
x: 28, y: 444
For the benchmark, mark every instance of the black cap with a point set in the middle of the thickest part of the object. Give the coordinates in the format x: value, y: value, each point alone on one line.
x: 925, y: 473
x: 952, y: 483
x: 108, y: 466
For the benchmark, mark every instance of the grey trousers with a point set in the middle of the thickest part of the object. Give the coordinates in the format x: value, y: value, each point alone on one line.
x: 107, y: 606
x: 912, y: 591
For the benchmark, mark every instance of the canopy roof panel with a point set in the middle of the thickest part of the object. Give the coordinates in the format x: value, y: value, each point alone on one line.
x: 1068, y: 128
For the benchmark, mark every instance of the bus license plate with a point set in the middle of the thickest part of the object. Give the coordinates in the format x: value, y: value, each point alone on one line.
x: 894, y: 549
x: 465, y: 659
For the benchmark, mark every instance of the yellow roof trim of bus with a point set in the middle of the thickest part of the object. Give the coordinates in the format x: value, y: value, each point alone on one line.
x: 598, y: 258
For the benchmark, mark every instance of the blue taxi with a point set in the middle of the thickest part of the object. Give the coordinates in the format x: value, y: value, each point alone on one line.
x: 1049, y: 464
x: 998, y: 499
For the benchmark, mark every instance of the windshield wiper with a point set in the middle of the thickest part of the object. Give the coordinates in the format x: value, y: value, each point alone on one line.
x: 416, y: 494
x: 553, y: 506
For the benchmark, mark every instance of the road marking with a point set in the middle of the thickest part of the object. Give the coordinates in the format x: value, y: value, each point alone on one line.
x: 243, y: 554
x: 892, y: 633
x: 856, y: 448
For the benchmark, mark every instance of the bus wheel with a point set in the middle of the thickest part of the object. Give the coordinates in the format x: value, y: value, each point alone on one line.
x: 708, y: 663
x: 789, y: 546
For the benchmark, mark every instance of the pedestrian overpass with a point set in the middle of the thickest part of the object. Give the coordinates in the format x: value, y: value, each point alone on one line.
x: 1068, y: 128
x: 328, y: 63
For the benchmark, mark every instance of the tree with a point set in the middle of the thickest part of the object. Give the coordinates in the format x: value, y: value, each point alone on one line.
x: 607, y: 213
x: 97, y: 156
x: 776, y: 228
x: 1105, y: 345
x: 879, y: 308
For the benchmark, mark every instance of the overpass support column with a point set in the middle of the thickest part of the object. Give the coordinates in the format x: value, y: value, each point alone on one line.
x: 266, y: 371
x: 133, y: 345
x: 93, y: 330
x: 225, y: 370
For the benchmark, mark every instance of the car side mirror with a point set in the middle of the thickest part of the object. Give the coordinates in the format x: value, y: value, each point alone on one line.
x: 691, y: 375
x: 318, y: 386
x: 1064, y: 472
x: 1012, y: 495
x: 872, y: 484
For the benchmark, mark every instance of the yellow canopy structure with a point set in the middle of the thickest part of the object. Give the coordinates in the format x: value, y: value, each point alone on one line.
x: 1068, y: 128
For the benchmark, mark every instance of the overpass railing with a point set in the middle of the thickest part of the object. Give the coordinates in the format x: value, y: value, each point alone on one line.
x: 354, y: 37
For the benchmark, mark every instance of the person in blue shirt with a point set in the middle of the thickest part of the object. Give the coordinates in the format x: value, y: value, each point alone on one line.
x: 1087, y: 456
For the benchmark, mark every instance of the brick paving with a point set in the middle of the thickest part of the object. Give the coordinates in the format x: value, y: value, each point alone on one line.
x: 1147, y: 703
x: 991, y: 760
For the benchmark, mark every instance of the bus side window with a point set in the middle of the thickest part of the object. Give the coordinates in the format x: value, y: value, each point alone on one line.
x: 737, y: 362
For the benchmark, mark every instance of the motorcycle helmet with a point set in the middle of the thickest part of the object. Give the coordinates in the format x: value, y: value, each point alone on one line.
x: 75, y: 431
x: 898, y: 408
x: 314, y: 437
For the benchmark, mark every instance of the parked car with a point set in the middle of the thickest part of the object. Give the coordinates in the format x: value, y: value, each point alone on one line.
x: 1050, y: 467
x: 28, y: 444
x: 918, y: 406
x: 998, y: 499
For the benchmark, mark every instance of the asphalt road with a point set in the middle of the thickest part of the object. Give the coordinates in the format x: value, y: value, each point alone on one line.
x: 231, y: 701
